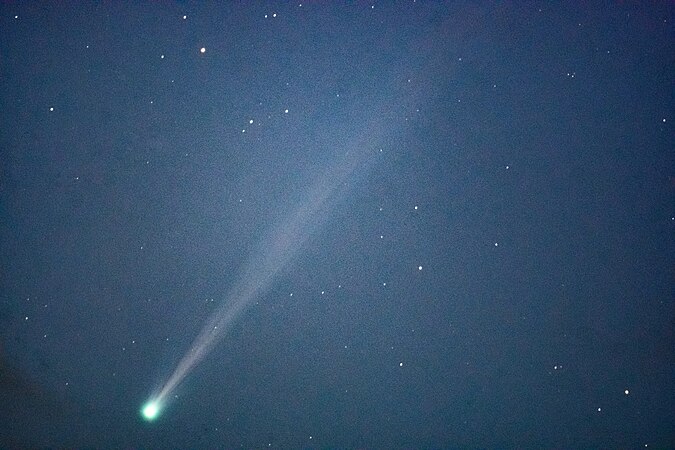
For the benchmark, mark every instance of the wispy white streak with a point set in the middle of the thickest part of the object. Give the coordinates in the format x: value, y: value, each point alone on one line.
x: 273, y: 254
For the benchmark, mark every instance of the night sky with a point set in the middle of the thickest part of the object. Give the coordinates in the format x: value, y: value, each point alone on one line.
x: 416, y: 224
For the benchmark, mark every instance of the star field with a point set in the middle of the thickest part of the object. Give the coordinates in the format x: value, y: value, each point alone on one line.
x: 480, y: 199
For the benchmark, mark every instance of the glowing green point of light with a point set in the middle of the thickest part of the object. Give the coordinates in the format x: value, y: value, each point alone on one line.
x: 150, y: 411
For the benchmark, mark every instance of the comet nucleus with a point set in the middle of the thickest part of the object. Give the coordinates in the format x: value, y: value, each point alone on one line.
x: 150, y: 411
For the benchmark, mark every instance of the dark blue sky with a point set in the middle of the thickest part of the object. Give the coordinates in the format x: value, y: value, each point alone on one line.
x: 457, y: 217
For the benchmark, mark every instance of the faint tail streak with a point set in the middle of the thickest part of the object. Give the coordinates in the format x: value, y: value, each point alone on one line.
x: 285, y: 241
x: 272, y: 255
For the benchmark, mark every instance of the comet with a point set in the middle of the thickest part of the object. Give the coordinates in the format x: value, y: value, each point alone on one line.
x: 274, y: 252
